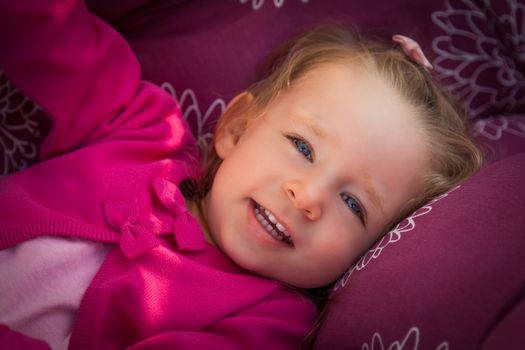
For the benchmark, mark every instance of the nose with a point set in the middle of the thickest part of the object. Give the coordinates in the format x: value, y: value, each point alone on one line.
x: 305, y: 198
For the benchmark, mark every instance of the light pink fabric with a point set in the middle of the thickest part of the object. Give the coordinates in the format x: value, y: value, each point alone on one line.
x: 111, y: 166
x: 43, y: 281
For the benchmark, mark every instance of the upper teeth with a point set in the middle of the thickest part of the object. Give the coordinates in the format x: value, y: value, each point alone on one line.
x: 272, y: 220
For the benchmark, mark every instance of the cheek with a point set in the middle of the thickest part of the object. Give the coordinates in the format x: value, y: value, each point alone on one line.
x: 341, y: 248
x: 333, y: 257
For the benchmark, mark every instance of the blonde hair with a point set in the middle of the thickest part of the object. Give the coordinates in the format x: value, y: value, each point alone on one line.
x: 454, y: 155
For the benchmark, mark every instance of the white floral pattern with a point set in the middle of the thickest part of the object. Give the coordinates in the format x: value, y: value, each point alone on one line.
x: 390, y: 238
x: 513, y: 24
x: 494, y: 128
x: 189, y: 105
x: 468, y: 52
x: 19, y: 125
x: 18, y: 150
x: 409, y: 342
x: 257, y: 4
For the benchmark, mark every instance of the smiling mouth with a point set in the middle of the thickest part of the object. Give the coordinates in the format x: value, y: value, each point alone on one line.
x: 271, y: 225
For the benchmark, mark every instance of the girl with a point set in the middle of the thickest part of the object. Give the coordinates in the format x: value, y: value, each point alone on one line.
x: 341, y: 139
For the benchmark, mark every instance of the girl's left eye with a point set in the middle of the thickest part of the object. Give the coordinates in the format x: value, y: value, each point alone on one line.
x: 354, y: 205
x: 302, y: 146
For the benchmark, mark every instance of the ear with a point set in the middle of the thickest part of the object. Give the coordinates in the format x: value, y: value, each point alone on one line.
x: 233, y: 123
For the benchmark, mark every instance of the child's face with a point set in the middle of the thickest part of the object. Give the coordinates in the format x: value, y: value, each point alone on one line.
x: 334, y: 159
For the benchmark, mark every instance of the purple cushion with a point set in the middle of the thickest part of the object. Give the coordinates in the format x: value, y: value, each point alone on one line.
x: 479, y: 54
x: 508, y: 334
x: 449, y: 274
x: 500, y: 136
x: 23, y: 127
x: 213, y: 47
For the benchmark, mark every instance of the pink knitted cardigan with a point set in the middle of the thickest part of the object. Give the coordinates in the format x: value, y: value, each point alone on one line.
x: 109, y: 173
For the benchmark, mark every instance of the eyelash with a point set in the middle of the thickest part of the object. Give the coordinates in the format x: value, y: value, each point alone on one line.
x: 302, y: 147
x: 305, y: 149
x: 355, y: 206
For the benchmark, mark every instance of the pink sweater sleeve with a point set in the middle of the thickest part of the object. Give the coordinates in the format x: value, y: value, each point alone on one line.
x: 10, y: 339
x: 75, y: 66
x: 278, y: 322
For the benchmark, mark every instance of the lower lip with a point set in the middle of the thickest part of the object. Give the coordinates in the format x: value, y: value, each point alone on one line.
x: 260, y: 233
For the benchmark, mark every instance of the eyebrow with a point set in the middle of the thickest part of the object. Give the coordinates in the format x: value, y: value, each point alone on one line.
x: 310, y: 124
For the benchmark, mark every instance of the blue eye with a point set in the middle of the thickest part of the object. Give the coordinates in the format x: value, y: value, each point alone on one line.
x: 303, y: 147
x: 354, y: 205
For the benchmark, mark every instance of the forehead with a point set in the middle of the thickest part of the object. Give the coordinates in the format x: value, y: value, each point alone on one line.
x: 340, y: 96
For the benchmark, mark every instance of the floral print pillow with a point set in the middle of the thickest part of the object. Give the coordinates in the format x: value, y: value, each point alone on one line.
x: 480, y: 54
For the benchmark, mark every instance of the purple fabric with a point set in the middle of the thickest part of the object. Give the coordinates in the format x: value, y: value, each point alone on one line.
x: 500, y: 136
x: 216, y: 48
x: 478, y: 54
x: 213, y: 47
x: 447, y: 275
x: 508, y: 334
x: 23, y: 127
